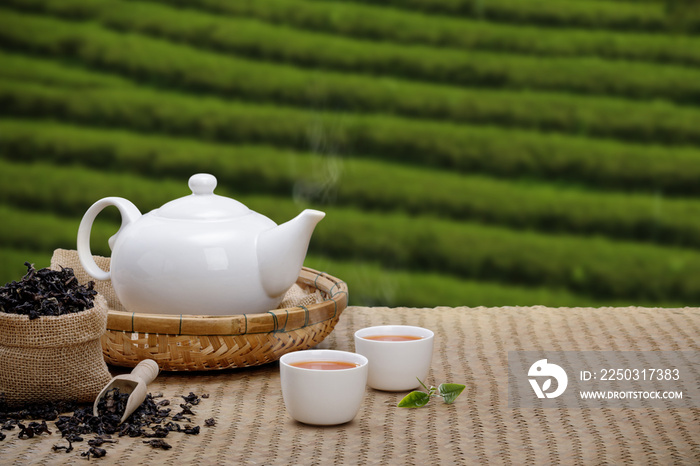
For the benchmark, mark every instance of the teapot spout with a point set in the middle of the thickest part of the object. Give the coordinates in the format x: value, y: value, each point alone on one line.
x: 282, y: 249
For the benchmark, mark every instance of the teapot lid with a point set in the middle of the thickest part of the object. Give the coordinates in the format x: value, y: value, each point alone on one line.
x: 202, y: 204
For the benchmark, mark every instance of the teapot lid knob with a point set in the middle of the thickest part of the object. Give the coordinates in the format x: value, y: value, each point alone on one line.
x: 202, y: 183
x: 202, y: 204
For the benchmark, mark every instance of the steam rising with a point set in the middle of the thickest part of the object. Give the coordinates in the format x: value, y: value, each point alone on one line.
x: 320, y: 186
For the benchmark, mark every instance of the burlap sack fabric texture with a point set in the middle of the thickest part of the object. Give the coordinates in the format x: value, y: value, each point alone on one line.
x: 53, y: 358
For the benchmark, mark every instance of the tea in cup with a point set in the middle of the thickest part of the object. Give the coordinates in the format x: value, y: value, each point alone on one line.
x: 323, y: 387
x: 398, y: 355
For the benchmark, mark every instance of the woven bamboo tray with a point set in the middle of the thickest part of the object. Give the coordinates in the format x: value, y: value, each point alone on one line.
x: 197, y: 343
x: 201, y: 343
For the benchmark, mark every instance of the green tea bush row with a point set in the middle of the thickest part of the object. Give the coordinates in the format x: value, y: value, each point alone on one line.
x: 242, y: 35
x: 593, y: 266
x: 651, y: 122
x: 501, y: 152
x: 343, y: 15
x: 37, y: 231
x: 370, y: 284
x: 582, y: 265
x: 411, y: 26
x: 558, y: 13
x: 186, y: 67
x: 12, y: 261
x: 359, y: 182
x: 22, y: 68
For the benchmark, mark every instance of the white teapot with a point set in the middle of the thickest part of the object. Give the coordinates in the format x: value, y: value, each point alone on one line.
x: 200, y: 254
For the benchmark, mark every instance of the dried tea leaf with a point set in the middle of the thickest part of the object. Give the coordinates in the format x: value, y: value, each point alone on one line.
x: 158, y: 443
x: 46, y: 292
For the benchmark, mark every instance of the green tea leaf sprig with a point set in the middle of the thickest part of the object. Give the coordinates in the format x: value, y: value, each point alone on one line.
x: 417, y: 399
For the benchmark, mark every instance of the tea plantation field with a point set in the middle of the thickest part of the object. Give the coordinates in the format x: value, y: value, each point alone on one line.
x: 466, y: 152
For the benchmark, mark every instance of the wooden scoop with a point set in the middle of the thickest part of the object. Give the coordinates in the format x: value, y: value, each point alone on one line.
x: 135, y: 384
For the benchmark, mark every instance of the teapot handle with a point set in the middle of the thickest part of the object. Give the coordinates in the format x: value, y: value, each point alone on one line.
x: 129, y: 213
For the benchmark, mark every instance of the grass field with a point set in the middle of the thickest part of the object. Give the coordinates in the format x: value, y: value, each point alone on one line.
x: 466, y: 153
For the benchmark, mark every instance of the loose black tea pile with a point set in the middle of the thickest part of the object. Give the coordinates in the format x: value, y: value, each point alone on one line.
x: 46, y: 292
x: 112, y: 404
x: 152, y: 420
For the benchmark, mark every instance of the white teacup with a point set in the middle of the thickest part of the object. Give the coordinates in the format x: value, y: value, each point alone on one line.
x: 323, y: 397
x: 396, y: 365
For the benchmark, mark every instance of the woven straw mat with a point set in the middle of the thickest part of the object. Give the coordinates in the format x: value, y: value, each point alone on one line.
x: 471, y: 346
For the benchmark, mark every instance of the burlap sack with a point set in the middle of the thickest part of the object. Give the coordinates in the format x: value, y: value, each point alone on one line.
x: 53, y: 358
